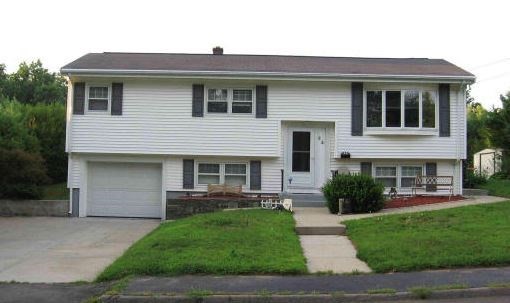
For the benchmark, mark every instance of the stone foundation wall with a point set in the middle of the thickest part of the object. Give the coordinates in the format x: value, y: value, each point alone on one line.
x: 182, y: 207
x: 34, y: 208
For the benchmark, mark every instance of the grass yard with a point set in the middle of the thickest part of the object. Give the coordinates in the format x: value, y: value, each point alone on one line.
x: 57, y: 191
x: 467, y: 236
x: 496, y: 187
x: 229, y: 242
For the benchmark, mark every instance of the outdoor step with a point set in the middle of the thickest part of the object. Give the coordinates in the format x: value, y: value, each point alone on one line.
x: 308, y: 203
x: 338, y: 230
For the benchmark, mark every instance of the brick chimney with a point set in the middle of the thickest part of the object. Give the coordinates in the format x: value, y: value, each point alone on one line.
x: 217, y: 50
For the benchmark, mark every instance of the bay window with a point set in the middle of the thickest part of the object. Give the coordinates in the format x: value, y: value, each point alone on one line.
x: 429, y: 109
x: 406, y: 109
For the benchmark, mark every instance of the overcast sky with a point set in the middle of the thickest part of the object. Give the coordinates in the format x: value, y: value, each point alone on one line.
x: 471, y: 34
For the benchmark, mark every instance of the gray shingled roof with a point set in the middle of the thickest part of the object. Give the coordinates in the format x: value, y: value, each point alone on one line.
x: 159, y: 63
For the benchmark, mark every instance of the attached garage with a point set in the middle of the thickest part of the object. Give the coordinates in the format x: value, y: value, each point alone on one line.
x: 124, y: 189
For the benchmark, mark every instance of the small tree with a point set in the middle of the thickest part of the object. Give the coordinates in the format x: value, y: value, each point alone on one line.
x: 498, y: 122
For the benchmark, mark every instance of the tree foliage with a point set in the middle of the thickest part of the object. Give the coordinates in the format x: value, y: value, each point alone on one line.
x: 498, y: 124
x: 32, y: 83
x: 477, y: 131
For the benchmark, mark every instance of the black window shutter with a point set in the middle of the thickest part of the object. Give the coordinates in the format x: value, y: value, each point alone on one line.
x: 431, y: 170
x: 356, y: 109
x: 261, y: 102
x: 366, y: 168
x: 444, y: 110
x: 117, y: 95
x: 255, y: 175
x: 79, y: 98
x: 198, y: 101
x: 188, y: 173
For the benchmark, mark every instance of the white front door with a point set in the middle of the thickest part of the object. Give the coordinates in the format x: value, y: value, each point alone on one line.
x: 306, y: 154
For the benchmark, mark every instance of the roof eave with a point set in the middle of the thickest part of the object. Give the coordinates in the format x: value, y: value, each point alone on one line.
x: 246, y: 74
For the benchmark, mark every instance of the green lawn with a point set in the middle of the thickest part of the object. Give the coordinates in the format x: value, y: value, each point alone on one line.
x: 229, y: 242
x: 465, y: 236
x: 499, y: 188
x: 57, y: 191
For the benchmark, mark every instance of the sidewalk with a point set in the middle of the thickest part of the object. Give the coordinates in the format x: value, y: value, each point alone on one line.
x: 350, y: 284
x: 473, y: 200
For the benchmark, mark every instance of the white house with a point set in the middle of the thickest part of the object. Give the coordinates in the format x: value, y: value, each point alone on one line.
x: 141, y: 127
x: 488, y: 161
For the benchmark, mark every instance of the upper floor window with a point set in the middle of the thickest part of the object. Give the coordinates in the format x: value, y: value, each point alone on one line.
x: 217, y: 100
x: 242, y: 100
x: 98, y: 98
x: 400, y: 109
x: 230, y: 100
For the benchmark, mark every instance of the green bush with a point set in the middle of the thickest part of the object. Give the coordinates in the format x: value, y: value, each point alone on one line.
x: 474, y: 179
x: 22, y: 175
x: 362, y: 193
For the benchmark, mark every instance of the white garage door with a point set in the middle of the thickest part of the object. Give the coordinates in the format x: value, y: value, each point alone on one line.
x: 124, y: 189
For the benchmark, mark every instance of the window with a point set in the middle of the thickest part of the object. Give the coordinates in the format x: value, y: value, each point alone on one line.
x: 208, y: 173
x: 387, y: 175
x: 400, y: 109
x: 98, y: 98
x: 242, y: 101
x: 219, y: 173
x: 230, y: 100
x: 374, y: 108
x: 301, y: 151
x: 429, y: 110
x: 217, y: 100
x: 393, y: 108
x: 235, y: 174
x: 408, y: 175
x: 412, y: 108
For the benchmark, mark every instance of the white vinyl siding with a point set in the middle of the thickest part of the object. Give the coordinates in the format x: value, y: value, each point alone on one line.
x: 157, y: 120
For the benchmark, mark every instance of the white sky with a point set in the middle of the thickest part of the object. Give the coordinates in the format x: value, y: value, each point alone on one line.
x: 471, y: 34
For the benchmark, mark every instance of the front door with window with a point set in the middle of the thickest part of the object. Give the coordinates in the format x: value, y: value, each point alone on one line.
x: 306, y: 151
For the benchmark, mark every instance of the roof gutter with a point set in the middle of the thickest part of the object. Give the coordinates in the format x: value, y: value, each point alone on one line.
x: 181, y: 73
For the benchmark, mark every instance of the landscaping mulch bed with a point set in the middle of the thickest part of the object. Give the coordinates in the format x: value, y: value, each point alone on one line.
x: 419, y: 200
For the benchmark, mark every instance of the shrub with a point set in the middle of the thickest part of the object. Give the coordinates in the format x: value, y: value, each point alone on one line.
x: 501, y: 175
x: 473, y: 179
x: 22, y: 175
x: 362, y: 193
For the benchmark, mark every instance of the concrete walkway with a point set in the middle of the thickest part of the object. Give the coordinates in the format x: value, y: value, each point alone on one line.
x: 326, y: 252
x: 472, y: 200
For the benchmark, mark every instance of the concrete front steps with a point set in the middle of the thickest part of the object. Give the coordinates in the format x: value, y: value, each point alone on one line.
x: 338, y: 230
x: 317, y: 221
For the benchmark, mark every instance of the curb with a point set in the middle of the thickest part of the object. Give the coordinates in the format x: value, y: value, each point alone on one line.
x: 307, y: 298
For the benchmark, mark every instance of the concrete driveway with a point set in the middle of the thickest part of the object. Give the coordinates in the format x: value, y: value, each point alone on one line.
x: 44, y: 249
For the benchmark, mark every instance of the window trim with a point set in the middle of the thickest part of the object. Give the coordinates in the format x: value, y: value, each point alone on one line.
x: 87, y: 91
x: 420, y: 130
x: 230, y: 100
x: 222, y: 171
